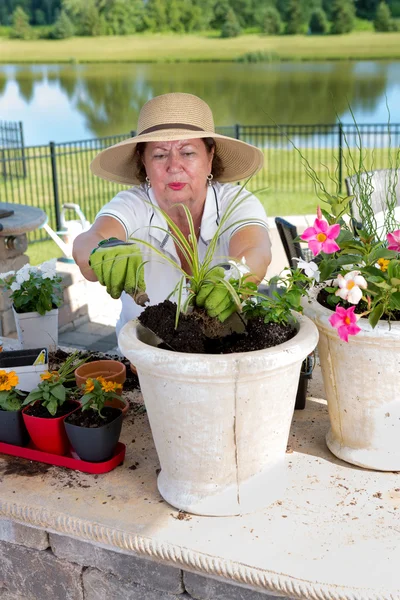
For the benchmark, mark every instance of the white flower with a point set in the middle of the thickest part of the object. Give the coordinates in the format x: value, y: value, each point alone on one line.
x: 8, y: 274
x: 15, y: 286
x: 350, y: 286
x: 309, y: 268
x: 48, y: 269
x: 23, y: 274
x: 237, y: 269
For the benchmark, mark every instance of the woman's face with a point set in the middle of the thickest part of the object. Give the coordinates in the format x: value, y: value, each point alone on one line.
x: 178, y: 171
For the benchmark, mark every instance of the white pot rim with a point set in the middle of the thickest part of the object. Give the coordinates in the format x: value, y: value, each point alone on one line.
x: 25, y: 315
x: 255, y: 360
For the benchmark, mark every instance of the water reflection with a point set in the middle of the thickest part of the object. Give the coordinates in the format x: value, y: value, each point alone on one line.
x: 105, y: 99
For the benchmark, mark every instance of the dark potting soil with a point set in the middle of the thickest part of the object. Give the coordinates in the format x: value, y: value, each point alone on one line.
x: 92, y: 419
x: 190, y: 334
x: 57, y: 358
x: 37, y: 410
x: 322, y: 298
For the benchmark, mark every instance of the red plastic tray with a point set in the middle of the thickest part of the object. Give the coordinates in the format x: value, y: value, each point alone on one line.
x: 70, y: 461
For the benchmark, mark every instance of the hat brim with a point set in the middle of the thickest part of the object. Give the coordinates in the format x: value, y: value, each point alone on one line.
x: 118, y: 163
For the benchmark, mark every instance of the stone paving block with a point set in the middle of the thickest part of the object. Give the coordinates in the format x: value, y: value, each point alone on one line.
x: 127, y: 567
x: 103, y: 586
x: 205, y: 588
x: 6, y: 595
x: 38, y: 574
x: 23, y: 535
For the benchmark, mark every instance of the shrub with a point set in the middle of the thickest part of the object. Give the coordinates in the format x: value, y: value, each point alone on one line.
x: 272, y: 22
x: 343, y: 14
x: 318, y: 22
x: 383, y: 19
x: 230, y: 27
x: 63, y: 28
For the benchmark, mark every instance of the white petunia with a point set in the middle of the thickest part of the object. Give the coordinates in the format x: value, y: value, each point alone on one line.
x: 15, y: 286
x: 309, y: 268
x: 237, y: 269
x: 48, y: 269
x: 350, y: 286
x: 8, y: 274
x: 23, y: 275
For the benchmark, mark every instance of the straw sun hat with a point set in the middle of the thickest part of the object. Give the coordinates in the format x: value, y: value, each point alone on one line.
x: 170, y: 117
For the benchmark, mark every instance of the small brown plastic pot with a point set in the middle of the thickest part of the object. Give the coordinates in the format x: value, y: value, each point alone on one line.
x: 111, y: 370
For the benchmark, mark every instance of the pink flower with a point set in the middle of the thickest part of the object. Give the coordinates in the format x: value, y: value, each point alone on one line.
x: 394, y: 240
x: 321, y: 237
x: 345, y: 322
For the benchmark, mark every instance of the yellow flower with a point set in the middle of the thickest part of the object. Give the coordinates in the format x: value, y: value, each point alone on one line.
x: 52, y: 375
x: 383, y: 264
x: 110, y: 386
x: 8, y: 380
x: 89, y: 385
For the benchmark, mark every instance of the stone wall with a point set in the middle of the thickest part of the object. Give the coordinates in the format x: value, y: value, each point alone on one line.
x: 37, y: 565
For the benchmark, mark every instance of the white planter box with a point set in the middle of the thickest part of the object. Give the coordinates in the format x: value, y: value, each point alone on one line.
x: 362, y: 385
x: 220, y: 423
x: 35, y: 330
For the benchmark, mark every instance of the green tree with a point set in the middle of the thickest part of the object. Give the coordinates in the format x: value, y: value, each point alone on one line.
x: 272, y: 23
x: 231, y: 27
x: 63, y: 28
x: 366, y: 9
x: 20, y: 25
x: 383, y: 19
x: 155, y: 16
x: 220, y: 10
x: 343, y: 13
x: 123, y: 18
x: 294, y: 17
x: 318, y: 22
x: 90, y: 22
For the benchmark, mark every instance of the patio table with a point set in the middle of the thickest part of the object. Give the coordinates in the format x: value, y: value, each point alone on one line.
x: 334, y: 535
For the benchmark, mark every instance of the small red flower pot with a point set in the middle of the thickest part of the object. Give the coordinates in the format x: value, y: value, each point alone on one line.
x: 48, y: 434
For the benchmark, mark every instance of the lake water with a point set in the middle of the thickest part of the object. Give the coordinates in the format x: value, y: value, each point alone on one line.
x: 71, y: 102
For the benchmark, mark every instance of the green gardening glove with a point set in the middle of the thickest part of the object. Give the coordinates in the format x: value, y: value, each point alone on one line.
x: 119, y: 266
x: 214, y: 296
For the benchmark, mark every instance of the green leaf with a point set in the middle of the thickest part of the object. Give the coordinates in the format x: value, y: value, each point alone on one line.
x: 51, y: 406
x: 59, y: 392
x: 375, y: 315
x: 395, y: 300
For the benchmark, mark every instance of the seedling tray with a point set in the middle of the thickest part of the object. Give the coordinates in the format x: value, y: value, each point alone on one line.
x: 70, y: 461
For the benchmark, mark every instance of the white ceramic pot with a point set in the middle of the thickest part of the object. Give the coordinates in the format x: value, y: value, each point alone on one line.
x: 362, y: 385
x: 220, y: 423
x: 36, y: 331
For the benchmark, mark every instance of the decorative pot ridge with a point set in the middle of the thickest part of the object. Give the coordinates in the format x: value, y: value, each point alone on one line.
x: 204, y: 410
x: 362, y: 385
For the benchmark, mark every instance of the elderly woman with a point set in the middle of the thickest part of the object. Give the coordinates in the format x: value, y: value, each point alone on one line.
x: 176, y: 158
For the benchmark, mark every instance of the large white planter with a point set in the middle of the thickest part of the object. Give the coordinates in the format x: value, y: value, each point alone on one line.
x: 362, y: 385
x: 36, y: 331
x: 220, y: 423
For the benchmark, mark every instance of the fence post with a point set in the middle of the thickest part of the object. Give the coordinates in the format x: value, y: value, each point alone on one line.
x: 133, y: 133
x: 21, y: 137
x: 55, y: 184
x: 237, y: 131
x: 340, y: 159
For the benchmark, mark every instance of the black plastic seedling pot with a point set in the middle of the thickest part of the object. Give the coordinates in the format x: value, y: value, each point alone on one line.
x: 12, y: 428
x: 95, y: 444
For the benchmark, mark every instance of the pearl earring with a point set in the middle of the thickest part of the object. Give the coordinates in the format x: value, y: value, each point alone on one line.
x: 148, y: 182
x: 210, y: 177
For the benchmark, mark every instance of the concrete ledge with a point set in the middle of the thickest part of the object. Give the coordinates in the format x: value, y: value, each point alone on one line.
x: 332, y: 536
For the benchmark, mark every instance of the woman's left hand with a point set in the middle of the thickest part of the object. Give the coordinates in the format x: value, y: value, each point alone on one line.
x: 214, y: 296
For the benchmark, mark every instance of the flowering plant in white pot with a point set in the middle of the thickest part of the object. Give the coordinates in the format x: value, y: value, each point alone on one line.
x: 356, y: 307
x: 36, y: 293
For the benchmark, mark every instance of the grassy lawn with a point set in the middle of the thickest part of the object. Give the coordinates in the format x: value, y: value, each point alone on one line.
x: 162, y: 47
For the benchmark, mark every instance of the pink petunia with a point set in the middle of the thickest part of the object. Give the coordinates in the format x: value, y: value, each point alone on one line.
x: 321, y: 237
x: 345, y: 322
x: 394, y: 240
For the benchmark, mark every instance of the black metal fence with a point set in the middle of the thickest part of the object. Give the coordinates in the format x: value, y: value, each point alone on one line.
x: 12, y: 149
x: 59, y: 173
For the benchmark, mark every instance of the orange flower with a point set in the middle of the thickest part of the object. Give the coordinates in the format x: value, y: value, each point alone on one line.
x: 89, y: 385
x: 49, y: 375
x: 8, y: 380
x: 110, y: 386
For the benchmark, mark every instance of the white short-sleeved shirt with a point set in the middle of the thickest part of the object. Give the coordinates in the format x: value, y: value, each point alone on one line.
x: 136, y: 209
